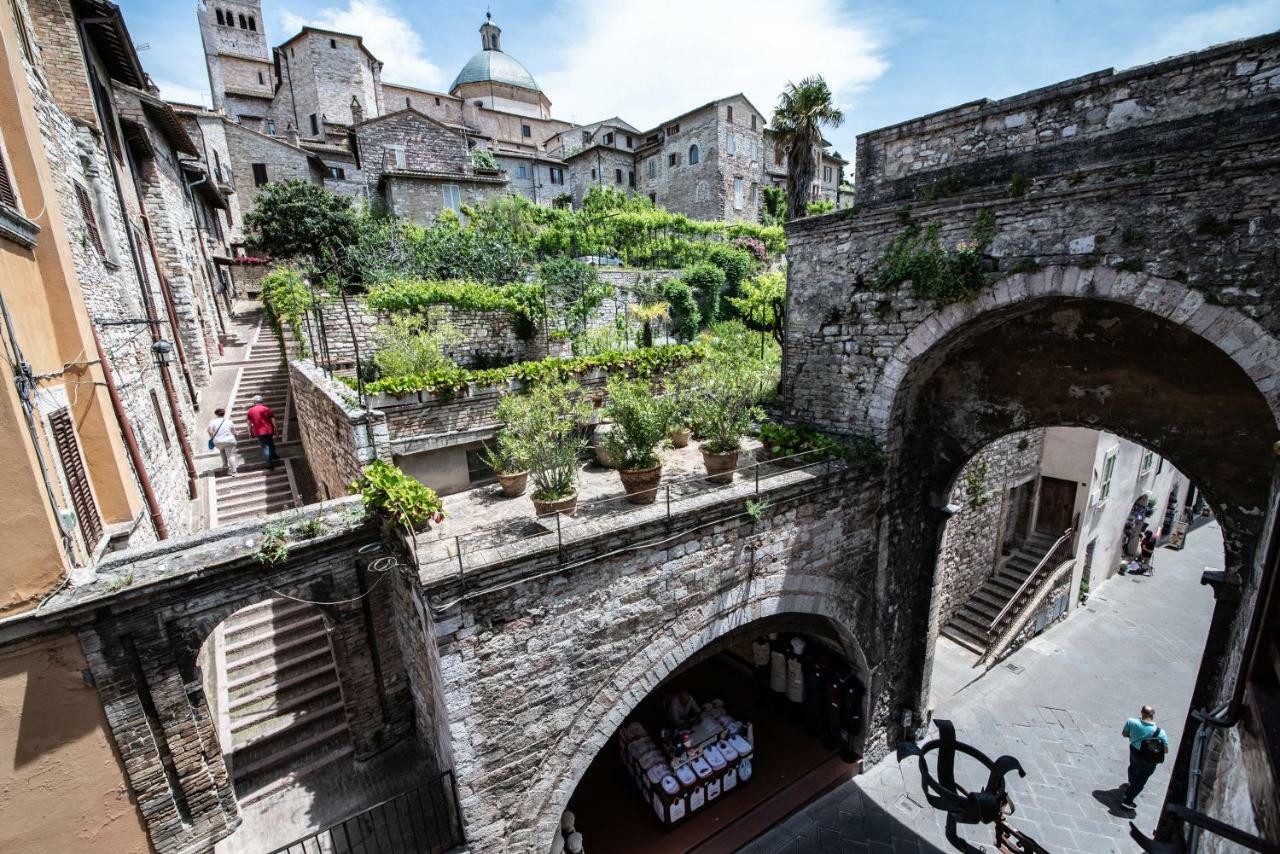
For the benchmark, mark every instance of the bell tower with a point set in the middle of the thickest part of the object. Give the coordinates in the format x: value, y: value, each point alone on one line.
x: 490, y: 34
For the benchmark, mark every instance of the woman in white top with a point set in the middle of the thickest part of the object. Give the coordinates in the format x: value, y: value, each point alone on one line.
x: 222, y: 435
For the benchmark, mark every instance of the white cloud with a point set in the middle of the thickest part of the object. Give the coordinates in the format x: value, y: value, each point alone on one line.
x: 652, y: 62
x: 1213, y: 26
x: 388, y: 35
x: 182, y: 93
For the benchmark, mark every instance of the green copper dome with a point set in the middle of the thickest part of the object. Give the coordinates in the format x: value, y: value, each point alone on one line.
x: 497, y: 67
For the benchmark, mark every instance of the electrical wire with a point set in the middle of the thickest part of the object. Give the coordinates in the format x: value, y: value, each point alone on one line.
x: 382, y: 565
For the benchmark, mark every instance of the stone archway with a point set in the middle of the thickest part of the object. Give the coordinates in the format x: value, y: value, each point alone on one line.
x: 1145, y: 358
x: 638, y: 677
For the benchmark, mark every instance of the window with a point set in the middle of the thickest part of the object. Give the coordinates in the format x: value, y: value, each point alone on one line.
x: 730, y: 145
x: 778, y: 154
x: 24, y: 36
x: 617, y: 176
x: 159, y: 413
x: 653, y: 197
x: 730, y: 109
x: 408, y: 102
x: 526, y: 131
x: 753, y: 121
x: 315, y: 125
x: 64, y: 439
x: 522, y: 172
x: 693, y: 155
x: 253, y: 25
x: 586, y: 137
x: 452, y: 198
x: 337, y: 173
x: 674, y: 159
x: 397, y: 155
x: 221, y: 21
x: 673, y: 130
x: 271, y: 127
x: 261, y: 80
x: 752, y: 198
x: 1148, y: 460
x: 244, y: 25
x: 593, y: 174
x: 608, y: 139
x: 631, y: 178
x: 557, y: 175
x: 653, y: 167
x: 737, y: 194
x: 90, y: 219
x: 629, y: 142
x: 437, y: 102
x: 8, y: 195
x: 333, y: 44
x: 1108, y: 469
x: 477, y: 468
x: 259, y: 174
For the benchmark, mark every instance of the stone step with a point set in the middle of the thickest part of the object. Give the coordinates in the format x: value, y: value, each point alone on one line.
x: 990, y: 599
x: 249, y: 486
x: 245, y: 515
x: 247, y: 658
x: 249, y: 680
x: 970, y: 623
x: 271, y: 625
x: 312, y: 747
x: 326, y: 673
x: 252, y: 504
x: 251, y: 791
x: 264, y: 617
x: 258, y: 730
x: 967, y: 640
x: 287, y: 637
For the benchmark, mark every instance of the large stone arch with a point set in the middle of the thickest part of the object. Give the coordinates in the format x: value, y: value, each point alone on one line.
x: 1142, y: 357
x: 539, y: 813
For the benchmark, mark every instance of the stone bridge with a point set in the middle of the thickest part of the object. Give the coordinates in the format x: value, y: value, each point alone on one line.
x: 1120, y: 271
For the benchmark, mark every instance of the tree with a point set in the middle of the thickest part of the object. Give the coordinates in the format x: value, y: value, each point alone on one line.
x: 797, y: 120
x: 774, y: 211
x: 300, y: 220
x: 763, y: 303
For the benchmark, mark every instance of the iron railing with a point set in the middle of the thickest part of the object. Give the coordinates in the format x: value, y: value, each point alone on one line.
x: 424, y: 820
x: 996, y: 624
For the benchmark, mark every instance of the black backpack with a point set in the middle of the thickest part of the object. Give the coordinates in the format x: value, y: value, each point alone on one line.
x: 1152, y: 748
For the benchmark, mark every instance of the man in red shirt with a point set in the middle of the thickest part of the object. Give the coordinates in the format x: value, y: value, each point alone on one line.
x: 262, y: 425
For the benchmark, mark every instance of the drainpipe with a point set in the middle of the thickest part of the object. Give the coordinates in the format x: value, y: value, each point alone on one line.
x: 167, y: 294
x: 171, y: 396
x: 131, y: 442
x: 195, y: 218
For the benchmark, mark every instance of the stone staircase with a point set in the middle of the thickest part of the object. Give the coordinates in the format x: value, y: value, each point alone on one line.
x: 280, y: 710
x: 968, y: 626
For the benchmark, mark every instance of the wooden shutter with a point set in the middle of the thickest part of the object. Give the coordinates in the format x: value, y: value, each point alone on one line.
x: 90, y: 219
x: 8, y: 197
x: 64, y: 438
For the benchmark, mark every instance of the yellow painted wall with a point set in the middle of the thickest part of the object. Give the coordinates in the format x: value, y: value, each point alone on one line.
x: 62, y: 790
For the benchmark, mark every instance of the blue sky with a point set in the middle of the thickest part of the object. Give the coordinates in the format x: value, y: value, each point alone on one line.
x: 649, y: 59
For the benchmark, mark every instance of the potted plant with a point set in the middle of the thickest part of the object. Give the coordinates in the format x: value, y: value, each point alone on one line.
x: 399, y: 498
x: 559, y: 345
x: 723, y: 392
x: 503, y: 457
x: 681, y: 402
x: 640, y: 423
x: 544, y: 426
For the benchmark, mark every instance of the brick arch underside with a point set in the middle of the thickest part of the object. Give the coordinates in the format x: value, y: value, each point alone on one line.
x: 1047, y: 359
x: 683, y: 639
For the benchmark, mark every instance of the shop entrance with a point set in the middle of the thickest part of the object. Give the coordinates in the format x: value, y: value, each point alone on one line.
x: 743, y: 734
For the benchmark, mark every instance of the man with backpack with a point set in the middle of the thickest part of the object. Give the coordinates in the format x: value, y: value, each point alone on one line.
x: 1148, y: 745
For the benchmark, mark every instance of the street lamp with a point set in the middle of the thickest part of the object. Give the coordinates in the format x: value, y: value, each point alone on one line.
x: 991, y: 805
x: 162, y: 350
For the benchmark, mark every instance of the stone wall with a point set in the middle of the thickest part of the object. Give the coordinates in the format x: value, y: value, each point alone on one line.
x: 522, y: 731
x: 599, y: 166
x: 282, y: 160
x: 421, y: 198
x: 339, y: 437
x: 970, y: 550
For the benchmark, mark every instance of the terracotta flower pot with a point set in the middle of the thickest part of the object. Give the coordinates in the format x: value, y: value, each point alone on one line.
x: 598, y: 446
x: 512, y: 484
x: 564, y: 505
x: 641, y: 485
x: 680, y: 437
x: 720, y: 466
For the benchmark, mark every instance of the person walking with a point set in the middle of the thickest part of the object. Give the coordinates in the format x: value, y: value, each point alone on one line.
x: 262, y: 425
x: 1148, y: 745
x: 1148, y: 546
x: 222, y: 437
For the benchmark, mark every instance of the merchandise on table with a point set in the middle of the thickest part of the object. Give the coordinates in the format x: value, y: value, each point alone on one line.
x: 685, y: 768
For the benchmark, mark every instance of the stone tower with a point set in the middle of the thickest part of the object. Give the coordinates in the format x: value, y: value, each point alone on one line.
x: 490, y: 34
x: 241, y: 77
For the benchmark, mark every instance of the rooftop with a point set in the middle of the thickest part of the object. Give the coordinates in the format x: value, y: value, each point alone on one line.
x: 494, y: 66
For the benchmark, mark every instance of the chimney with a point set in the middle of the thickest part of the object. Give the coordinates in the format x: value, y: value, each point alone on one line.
x: 357, y: 112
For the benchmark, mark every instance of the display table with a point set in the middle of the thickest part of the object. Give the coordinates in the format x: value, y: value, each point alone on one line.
x: 683, y: 769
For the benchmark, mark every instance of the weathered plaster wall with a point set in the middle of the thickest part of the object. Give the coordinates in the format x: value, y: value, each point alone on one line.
x: 64, y: 791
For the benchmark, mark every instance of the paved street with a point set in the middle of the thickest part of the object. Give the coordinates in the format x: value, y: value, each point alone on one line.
x: 1057, y: 705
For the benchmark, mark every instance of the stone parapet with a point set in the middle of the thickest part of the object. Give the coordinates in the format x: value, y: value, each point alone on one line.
x: 339, y: 437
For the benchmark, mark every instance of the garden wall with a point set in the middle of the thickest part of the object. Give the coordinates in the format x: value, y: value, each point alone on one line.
x: 248, y: 278
x: 625, y: 284
x: 338, y: 436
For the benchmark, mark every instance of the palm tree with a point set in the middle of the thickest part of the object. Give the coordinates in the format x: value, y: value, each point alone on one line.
x: 797, y: 120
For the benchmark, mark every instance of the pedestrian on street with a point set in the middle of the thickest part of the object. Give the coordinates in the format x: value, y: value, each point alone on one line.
x: 222, y: 438
x: 1148, y: 545
x: 1148, y: 745
x: 262, y: 424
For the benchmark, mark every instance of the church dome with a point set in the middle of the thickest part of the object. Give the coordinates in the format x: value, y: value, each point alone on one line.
x: 494, y: 66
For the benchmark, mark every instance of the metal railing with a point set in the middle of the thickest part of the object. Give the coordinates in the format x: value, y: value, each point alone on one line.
x: 488, y: 544
x: 1027, y: 584
x: 424, y: 820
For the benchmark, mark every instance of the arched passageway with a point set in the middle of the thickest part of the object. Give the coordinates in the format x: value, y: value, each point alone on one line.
x: 781, y: 708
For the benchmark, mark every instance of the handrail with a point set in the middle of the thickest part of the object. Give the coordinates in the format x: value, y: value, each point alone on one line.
x: 999, y: 641
x: 1030, y: 578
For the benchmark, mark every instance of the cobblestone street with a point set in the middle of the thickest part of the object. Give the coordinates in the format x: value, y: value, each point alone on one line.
x: 1057, y: 705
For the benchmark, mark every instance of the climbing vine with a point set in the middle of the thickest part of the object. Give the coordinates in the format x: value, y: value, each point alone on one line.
x: 941, y: 275
x: 975, y: 482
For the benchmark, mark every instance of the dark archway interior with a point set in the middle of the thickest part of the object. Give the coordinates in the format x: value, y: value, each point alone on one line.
x: 1076, y: 362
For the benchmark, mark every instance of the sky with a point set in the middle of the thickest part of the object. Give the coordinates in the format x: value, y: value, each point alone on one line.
x: 647, y: 60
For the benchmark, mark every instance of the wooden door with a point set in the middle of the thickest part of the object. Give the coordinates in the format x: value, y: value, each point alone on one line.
x: 1057, y: 505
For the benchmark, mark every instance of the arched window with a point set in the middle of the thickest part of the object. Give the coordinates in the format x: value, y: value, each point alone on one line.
x: 244, y: 25
x: 221, y: 21
x: 693, y: 154
x: 253, y: 25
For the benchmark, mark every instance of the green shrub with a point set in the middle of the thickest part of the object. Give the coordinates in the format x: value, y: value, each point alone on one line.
x: 686, y: 317
x: 822, y: 206
x: 286, y: 299
x: 707, y: 282
x: 408, y: 345
x: 298, y: 219
x: 522, y: 301
x: 736, y: 264
x: 482, y: 158
x: 944, y: 276
x: 574, y: 288
x: 541, y: 429
x: 723, y: 393
x: 763, y: 304
x: 397, y: 497
x: 641, y: 420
